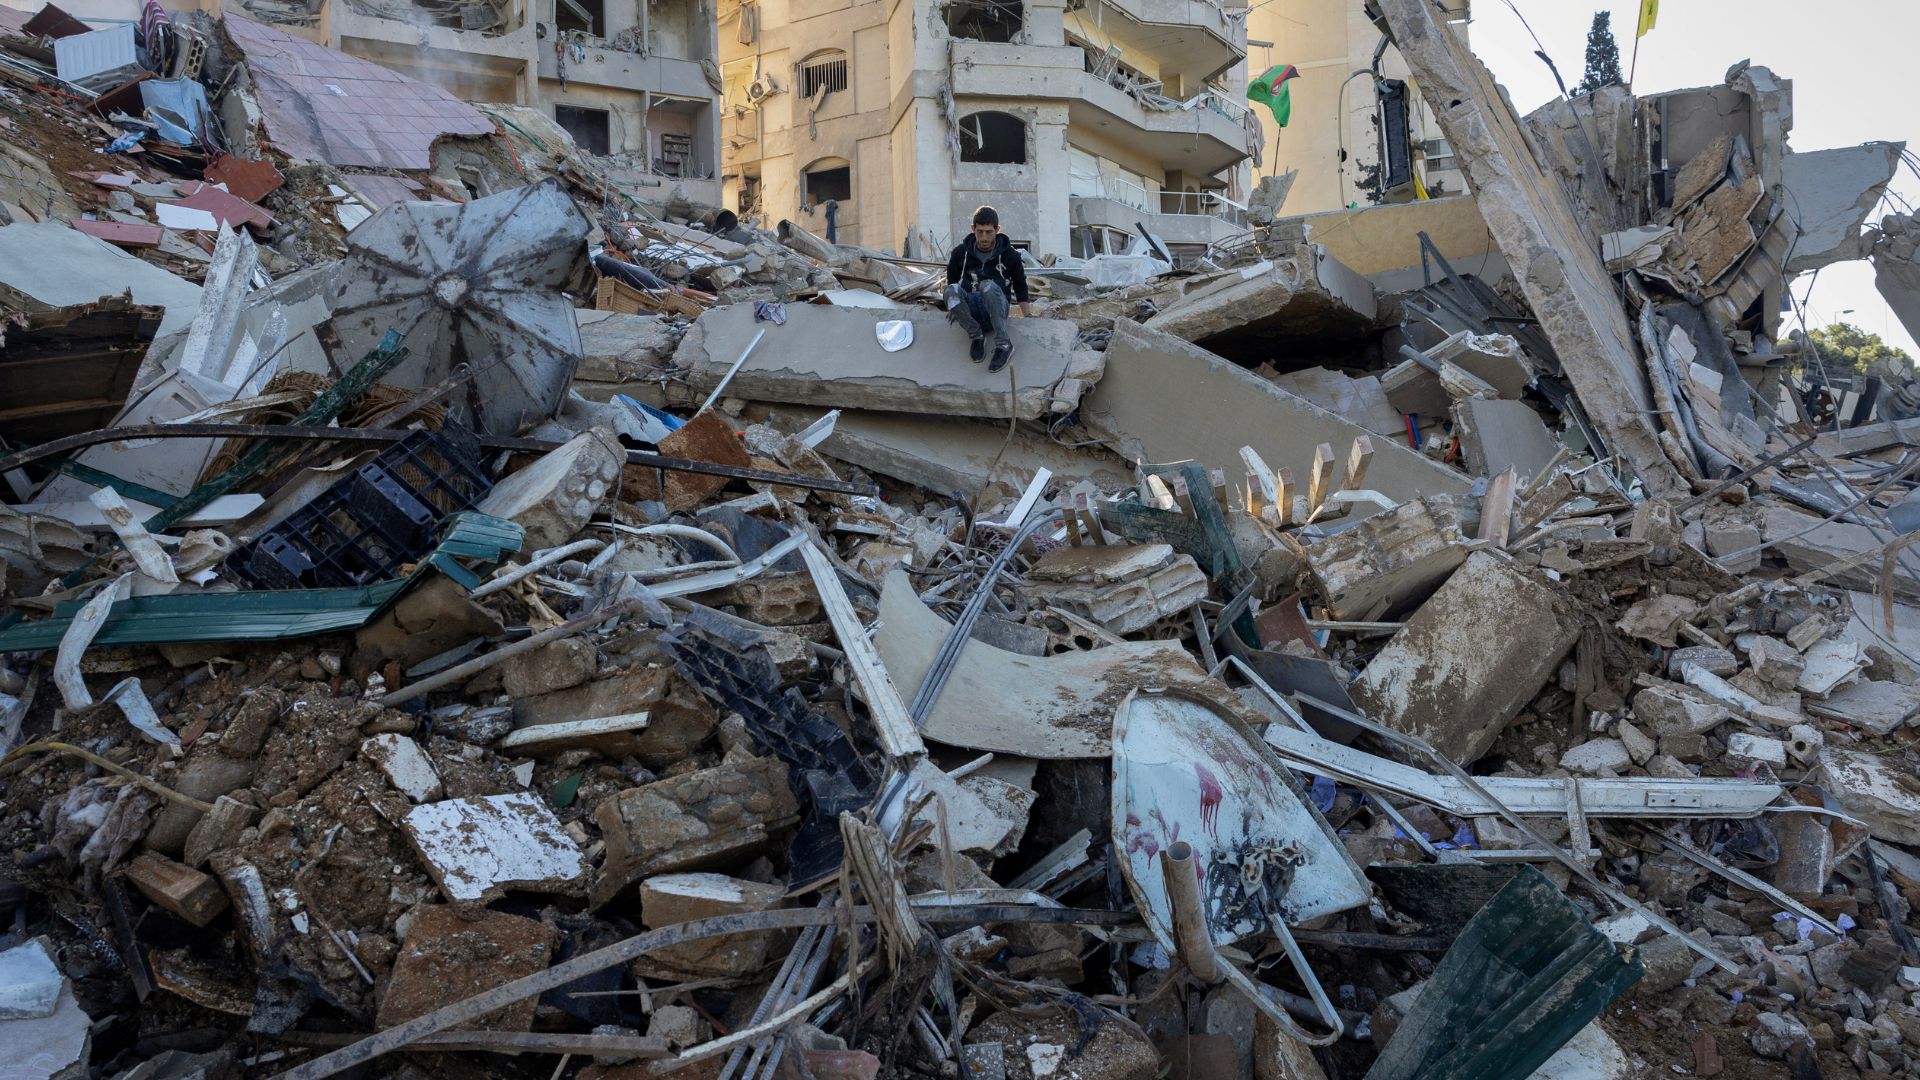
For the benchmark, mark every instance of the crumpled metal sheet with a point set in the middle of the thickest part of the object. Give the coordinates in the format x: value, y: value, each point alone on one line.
x: 323, y: 105
x: 477, y: 283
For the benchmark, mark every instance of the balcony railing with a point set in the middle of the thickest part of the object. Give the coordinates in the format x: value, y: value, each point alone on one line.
x: 1190, y: 203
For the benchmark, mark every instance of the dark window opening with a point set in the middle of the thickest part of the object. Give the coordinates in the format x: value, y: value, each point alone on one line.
x: 822, y: 184
x: 985, y: 20
x: 588, y: 17
x: 587, y: 126
x: 826, y: 72
x: 994, y: 138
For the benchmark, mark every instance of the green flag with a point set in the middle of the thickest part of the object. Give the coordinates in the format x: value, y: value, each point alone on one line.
x: 1271, y: 89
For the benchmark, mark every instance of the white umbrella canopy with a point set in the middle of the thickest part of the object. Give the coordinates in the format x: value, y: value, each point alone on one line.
x: 477, y: 283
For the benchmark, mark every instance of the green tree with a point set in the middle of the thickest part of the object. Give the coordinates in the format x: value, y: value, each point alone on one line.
x: 1603, y: 56
x: 1846, y: 348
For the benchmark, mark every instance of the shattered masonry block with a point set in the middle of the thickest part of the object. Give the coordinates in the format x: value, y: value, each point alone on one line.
x: 1389, y: 560
x: 1466, y: 663
x: 666, y: 899
x: 704, y: 818
x: 1122, y: 587
x: 553, y: 497
x: 447, y: 957
x: 1669, y: 713
x: 772, y: 599
x: 475, y: 848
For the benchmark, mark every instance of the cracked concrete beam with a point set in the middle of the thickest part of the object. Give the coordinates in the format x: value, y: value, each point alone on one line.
x: 1833, y: 192
x: 1533, y: 220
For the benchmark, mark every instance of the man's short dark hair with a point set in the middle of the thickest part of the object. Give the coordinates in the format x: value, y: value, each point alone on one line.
x: 986, y: 215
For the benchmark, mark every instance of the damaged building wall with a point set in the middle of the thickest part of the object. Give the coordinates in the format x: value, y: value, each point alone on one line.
x: 1529, y: 215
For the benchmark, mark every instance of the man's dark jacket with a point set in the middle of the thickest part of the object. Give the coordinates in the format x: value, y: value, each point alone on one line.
x: 968, y: 266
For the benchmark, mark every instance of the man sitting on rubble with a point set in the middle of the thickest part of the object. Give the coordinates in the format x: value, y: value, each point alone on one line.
x: 981, y: 273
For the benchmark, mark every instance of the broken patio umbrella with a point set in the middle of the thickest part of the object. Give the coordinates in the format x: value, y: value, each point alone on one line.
x: 477, y: 283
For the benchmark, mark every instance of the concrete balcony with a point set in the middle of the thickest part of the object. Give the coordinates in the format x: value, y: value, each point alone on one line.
x: 360, y: 33
x: 1202, y: 136
x: 1189, y: 37
x: 628, y: 71
x: 1171, y: 228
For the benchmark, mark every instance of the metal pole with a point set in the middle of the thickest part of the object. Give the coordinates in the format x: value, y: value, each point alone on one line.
x: 728, y: 377
x: 1190, y: 937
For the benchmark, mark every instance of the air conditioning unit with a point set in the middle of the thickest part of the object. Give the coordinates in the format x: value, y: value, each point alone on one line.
x: 761, y: 89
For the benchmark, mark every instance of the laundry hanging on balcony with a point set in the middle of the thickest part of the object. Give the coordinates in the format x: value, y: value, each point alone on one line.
x: 1271, y: 90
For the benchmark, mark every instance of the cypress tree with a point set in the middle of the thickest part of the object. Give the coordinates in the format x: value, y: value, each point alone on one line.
x: 1603, y: 56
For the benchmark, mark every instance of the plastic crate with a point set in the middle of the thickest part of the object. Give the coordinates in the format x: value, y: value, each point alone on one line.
x: 371, y: 524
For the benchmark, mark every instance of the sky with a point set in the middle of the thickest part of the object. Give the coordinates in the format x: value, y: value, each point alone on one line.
x: 1844, y: 58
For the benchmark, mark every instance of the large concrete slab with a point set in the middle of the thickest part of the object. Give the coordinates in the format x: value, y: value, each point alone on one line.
x: 1469, y: 659
x: 1382, y: 242
x: 1163, y: 399
x: 953, y: 454
x: 1530, y: 216
x: 826, y: 355
x: 58, y: 266
x: 1832, y: 192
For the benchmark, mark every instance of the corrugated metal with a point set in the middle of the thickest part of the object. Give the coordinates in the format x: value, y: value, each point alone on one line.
x: 99, y: 59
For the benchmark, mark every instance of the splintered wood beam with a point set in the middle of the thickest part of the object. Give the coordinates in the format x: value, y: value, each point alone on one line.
x: 1283, y: 504
x: 1261, y: 487
x: 1496, y: 510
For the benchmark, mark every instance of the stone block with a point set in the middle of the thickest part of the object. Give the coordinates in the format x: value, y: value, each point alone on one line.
x: 1727, y: 537
x: 1597, y: 757
x: 408, y: 769
x: 1757, y: 748
x: 1669, y: 712
x: 1715, y: 661
x: 1389, y: 561
x: 666, y: 899
x: 557, y: 665
x: 772, y: 600
x: 1775, y: 663
x: 428, y: 619
x: 475, y: 848
x: 553, y: 497
x: 1467, y: 662
x: 1684, y: 746
x: 705, y: 818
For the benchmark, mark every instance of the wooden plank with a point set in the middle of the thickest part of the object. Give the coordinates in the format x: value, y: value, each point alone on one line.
x: 1261, y: 485
x: 1285, y: 490
x: 1358, y: 458
x: 1320, y: 480
x: 898, y: 734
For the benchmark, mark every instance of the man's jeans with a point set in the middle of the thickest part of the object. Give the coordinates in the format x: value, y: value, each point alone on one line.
x: 981, y: 310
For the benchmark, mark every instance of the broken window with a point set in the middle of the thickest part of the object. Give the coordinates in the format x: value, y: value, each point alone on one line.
x: 828, y: 178
x: 587, y: 17
x: 587, y: 126
x: 995, y: 138
x: 984, y: 20
x: 824, y: 71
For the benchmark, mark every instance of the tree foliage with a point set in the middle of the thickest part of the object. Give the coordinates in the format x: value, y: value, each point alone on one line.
x: 1845, y: 347
x: 1603, y: 56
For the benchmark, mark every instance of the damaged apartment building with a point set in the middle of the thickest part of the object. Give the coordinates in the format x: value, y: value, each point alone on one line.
x: 633, y: 80
x: 883, y: 124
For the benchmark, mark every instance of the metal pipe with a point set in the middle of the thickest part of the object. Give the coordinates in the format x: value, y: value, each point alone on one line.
x: 728, y: 377
x: 1189, y: 913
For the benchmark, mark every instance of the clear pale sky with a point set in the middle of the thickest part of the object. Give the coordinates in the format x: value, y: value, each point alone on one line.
x: 1849, y: 61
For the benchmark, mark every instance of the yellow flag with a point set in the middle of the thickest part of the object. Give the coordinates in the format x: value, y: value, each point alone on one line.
x: 1649, y: 14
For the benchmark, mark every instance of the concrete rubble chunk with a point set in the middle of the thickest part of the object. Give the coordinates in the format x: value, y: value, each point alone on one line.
x: 1833, y: 192
x: 1390, y: 561
x: 1875, y: 706
x: 703, y: 818
x: 1528, y: 213
x: 552, y: 498
x: 1359, y: 399
x: 30, y: 984
x: 1499, y: 435
x: 474, y: 848
x: 51, y: 1039
x: 1309, y: 294
x: 1598, y: 757
x: 672, y: 719
x: 932, y: 375
x: 1875, y: 791
x: 1466, y: 663
x: 557, y: 665
x: 666, y: 899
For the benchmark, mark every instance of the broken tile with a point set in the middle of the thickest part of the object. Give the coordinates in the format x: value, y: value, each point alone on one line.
x: 475, y: 848
x: 408, y: 769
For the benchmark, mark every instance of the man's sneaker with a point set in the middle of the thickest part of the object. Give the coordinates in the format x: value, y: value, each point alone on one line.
x: 978, y: 350
x: 1001, y: 352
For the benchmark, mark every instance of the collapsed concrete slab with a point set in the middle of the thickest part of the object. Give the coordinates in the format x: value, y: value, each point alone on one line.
x: 1307, y: 295
x: 1806, y: 544
x: 60, y: 267
x: 952, y: 453
x: 1832, y: 192
x: 1469, y: 659
x: 1382, y: 242
x: 1163, y: 399
x: 831, y: 356
x: 1529, y: 214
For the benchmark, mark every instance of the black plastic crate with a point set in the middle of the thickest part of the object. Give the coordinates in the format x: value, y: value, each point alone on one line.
x: 367, y: 526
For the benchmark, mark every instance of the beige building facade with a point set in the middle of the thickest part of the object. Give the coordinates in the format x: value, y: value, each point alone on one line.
x: 886, y: 122
x: 1359, y: 132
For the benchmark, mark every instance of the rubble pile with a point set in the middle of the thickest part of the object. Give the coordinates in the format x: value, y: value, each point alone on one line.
x: 474, y: 621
